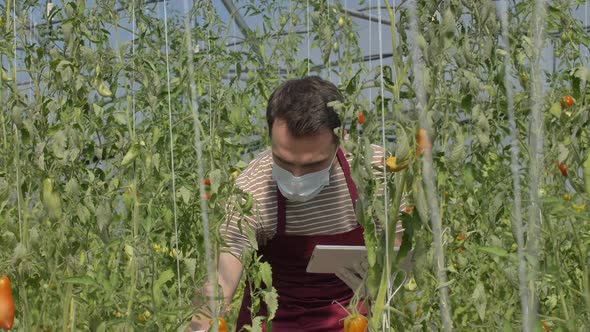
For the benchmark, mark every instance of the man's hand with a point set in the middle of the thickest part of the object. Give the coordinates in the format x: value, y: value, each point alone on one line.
x: 355, y: 277
x: 229, y: 273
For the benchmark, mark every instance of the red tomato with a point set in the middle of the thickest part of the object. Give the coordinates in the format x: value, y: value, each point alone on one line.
x: 221, y: 324
x: 207, y: 196
x: 361, y: 118
x: 567, y: 101
x: 355, y: 323
x: 461, y: 237
x: 562, y: 168
x: 545, y: 326
x: 207, y: 182
x: 6, y: 304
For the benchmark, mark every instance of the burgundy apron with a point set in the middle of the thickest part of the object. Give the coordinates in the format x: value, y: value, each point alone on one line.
x: 305, y: 299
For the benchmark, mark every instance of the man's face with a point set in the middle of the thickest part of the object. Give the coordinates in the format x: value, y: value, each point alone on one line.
x: 302, y: 155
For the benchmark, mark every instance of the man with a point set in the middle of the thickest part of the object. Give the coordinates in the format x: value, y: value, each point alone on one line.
x: 304, y: 196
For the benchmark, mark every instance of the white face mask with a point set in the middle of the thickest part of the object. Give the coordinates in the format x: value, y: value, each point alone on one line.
x: 301, y: 188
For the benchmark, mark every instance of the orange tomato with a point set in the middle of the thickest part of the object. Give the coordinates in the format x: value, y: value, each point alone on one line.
x: 567, y: 101
x: 423, y: 142
x: 361, y: 118
x: 355, y: 323
x: 461, y: 237
x: 6, y: 304
x: 221, y: 324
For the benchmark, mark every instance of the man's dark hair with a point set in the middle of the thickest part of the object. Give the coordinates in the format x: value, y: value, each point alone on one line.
x: 303, y: 105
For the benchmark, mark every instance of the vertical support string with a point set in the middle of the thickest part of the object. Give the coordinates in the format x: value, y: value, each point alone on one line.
x: 330, y: 46
x: 514, y: 164
x: 16, y: 132
x: 133, y: 63
x: 386, y: 313
x: 171, y: 149
x: 198, y: 150
x: 429, y: 173
x: 308, y: 38
x: 536, y: 157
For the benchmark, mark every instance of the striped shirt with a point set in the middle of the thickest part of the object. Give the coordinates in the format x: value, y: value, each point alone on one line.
x: 330, y: 212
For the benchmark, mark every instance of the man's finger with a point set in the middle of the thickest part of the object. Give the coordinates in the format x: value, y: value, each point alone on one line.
x: 360, y: 268
x: 349, y: 278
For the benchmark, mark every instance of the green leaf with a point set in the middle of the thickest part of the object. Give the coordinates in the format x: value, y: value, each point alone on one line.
x: 98, y: 110
x: 72, y: 187
x: 216, y: 178
x: 83, y: 213
x: 420, y: 200
x: 129, y: 251
x: 130, y: 155
x: 59, y: 144
x: 251, y: 233
x: 162, y: 279
x: 352, y: 85
x: 272, y: 303
x: 479, y: 300
x: 266, y: 274
x: 583, y: 73
x: 448, y: 23
x: 500, y: 252
x: 402, y: 145
x: 256, y: 325
x: 483, y: 130
x: 191, y: 265
x: 185, y: 194
x: 555, y: 110
x: 458, y: 149
x: 103, y: 215
x: 586, y: 171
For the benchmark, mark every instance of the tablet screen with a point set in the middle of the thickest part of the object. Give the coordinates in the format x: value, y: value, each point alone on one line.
x: 330, y: 258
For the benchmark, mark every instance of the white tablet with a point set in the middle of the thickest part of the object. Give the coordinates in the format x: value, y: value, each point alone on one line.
x: 330, y: 258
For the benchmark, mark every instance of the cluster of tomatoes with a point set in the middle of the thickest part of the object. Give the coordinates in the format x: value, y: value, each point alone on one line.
x: 6, y: 304
x: 207, y: 183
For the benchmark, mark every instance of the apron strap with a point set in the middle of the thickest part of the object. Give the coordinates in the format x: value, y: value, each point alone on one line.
x: 352, y: 190
x: 282, y: 201
x: 281, y: 212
